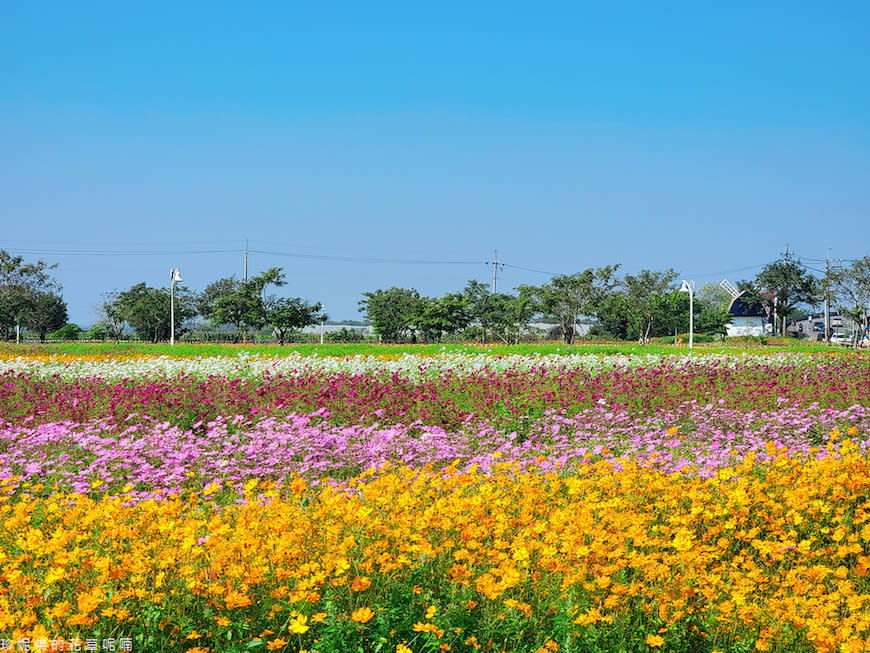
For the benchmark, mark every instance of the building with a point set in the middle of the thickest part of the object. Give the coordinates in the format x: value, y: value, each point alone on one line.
x: 748, y: 319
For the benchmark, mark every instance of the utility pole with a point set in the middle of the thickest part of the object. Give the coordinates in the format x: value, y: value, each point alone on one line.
x: 831, y: 264
x: 827, y: 303
x: 246, y: 260
x: 495, y: 265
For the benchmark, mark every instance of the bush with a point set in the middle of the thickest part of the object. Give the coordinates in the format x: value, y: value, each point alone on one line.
x: 68, y: 331
x: 345, y: 335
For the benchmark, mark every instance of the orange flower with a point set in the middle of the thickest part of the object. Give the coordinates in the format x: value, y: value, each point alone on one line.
x: 363, y: 615
x: 360, y: 584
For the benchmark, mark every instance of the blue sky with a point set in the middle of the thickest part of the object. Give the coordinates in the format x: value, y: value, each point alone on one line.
x: 565, y: 135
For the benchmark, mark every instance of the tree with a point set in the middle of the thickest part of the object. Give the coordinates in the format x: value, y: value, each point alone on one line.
x: 713, y: 295
x: 20, y: 282
x: 853, y: 286
x: 45, y: 311
x: 484, y: 308
x: 712, y: 320
x: 68, y: 331
x: 437, y: 316
x: 640, y: 291
x: 284, y: 315
x: 670, y: 311
x: 515, y: 311
x: 112, y: 315
x: 392, y: 312
x: 245, y: 307
x: 147, y: 310
x: 207, y: 299
x: 791, y: 284
x: 568, y: 296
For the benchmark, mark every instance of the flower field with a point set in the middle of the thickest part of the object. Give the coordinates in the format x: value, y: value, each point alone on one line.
x: 457, y: 502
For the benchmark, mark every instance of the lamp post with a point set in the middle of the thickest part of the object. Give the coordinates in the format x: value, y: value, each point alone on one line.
x: 689, y: 287
x: 322, y: 321
x: 174, y: 277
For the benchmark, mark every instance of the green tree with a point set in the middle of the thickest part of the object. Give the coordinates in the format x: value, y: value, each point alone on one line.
x: 791, y: 284
x: 147, y: 310
x: 670, y: 311
x: 67, y: 332
x: 245, y: 307
x: 392, y: 312
x: 515, y: 313
x: 285, y: 315
x: 616, y: 318
x: 20, y: 283
x: 568, y: 296
x: 485, y: 309
x: 713, y: 295
x: 439, y: 316
x: 640, y: 292
x: 45, y: 311
x: 111, y: 315
x: 853, y: 287
x: 207, y: 299
x: 712, y: 320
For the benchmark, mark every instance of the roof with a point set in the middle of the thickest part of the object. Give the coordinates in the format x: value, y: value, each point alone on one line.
x: 740, y: 307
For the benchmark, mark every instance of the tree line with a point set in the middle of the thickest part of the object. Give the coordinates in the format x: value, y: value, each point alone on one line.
x: 630, y: 307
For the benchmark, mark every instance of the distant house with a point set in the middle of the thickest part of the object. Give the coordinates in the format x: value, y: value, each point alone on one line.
x: 812, y: 327
x: 747, y: 319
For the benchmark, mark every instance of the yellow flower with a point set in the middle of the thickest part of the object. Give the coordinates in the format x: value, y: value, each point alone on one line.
x: 363, y: 615
x: 401, y: 648
x: 655, y: 640
x: 297, y: 624
x: 276, y: 643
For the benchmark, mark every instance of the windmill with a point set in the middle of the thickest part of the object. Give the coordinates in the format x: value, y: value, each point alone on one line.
x: 728, y: 287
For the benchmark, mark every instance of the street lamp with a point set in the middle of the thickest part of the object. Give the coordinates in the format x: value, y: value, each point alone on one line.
x: 174, y: 277
x: 322, y: 321
x: 689, y: 287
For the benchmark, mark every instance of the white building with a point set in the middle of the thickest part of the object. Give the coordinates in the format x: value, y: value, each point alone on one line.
x: 746, y: 319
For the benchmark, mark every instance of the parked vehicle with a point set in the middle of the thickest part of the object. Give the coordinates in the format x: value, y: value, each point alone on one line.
x: 843, y: 338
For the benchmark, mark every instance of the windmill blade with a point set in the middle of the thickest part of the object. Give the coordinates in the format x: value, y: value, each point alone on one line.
x: 728, y: 287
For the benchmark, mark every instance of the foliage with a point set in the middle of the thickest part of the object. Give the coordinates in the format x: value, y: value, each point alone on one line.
x: 22, y: 289
x: 46, y: 311
x: 567, y: 297
x: 392, y: 313
x: 711, y: 294
x: 245, y: 307
x: 439, y: 316
x: 68, y: 331
x: 147, y: 310
x: 112, y: 315
x: 853, y: 286
x: 712, y: 320
x: 791, y: 284
x: 345, y: 335
x: 285, y: 315
x: 640, y: 293
x: 207, y: 299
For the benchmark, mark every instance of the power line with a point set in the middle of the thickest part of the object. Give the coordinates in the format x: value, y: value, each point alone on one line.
x: 364, y: 259
x: 119, y: 252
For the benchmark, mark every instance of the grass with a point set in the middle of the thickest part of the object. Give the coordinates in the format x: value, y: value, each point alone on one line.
x: 733, y: 345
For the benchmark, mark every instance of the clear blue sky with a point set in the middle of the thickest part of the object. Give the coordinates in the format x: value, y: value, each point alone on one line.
x: 565, y: 135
